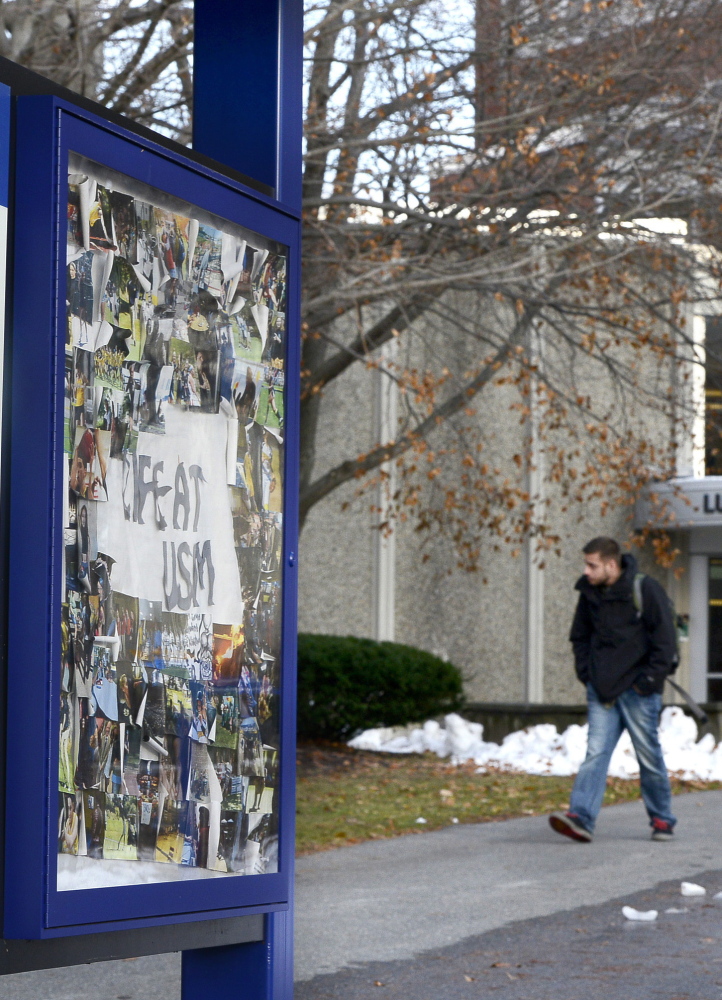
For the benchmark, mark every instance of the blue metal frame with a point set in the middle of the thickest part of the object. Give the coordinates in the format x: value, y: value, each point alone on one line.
x: 47, y: 129
x: 5, y: 102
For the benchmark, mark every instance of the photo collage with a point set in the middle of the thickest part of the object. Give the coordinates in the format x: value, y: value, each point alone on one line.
x: 172, y: 522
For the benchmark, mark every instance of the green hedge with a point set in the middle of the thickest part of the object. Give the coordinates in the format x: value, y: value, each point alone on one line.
x: 347, y: 684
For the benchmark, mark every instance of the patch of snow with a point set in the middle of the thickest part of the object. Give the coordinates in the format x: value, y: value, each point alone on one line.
x: 542, y: 749
x: 631, y: 914
x: 692, y: 889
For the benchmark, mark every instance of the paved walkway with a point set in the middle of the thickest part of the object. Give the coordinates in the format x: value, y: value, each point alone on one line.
x: 392, y: 899
x: 590, y: 953
x: 360, y: 908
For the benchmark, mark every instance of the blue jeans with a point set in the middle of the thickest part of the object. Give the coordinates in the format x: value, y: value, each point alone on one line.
x: 640, y: 716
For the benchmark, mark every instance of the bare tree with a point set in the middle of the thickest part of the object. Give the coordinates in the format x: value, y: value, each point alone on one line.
x: 523, y: 155
x: 132, y: 57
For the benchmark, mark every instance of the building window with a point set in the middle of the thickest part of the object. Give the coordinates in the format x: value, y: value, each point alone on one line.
x: 713, y: 396
x: 714, y: 657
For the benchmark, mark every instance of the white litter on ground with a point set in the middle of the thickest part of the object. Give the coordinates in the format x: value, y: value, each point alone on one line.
x: 421, y: 820
x: 631, y: 914
x: 543, y: 750
x: 692, y: 889
x: 675, y: 909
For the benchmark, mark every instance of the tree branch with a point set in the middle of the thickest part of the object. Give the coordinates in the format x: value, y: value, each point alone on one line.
x: 355, y: 468
x: 393, y: 323
x: 152, y: 69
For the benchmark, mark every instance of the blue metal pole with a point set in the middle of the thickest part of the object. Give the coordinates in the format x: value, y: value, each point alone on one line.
x: 247, y: 88
x: 247, y: 114
x: 235, y: 972
x: 235, y: 85
x: 259, y: 971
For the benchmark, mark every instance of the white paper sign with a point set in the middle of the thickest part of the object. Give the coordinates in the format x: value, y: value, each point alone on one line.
x: 169, y: 527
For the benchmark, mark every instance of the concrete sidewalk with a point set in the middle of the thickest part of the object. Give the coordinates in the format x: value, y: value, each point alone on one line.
x: 391, y: 900
x: 590, y: 953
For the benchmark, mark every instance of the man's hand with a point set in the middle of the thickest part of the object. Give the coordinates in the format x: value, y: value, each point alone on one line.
x: 646, y: 684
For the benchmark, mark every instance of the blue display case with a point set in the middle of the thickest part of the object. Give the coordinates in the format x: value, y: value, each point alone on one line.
x: 153, y: 455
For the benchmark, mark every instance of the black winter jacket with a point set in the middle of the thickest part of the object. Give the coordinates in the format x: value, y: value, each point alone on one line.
x: 613, y: 647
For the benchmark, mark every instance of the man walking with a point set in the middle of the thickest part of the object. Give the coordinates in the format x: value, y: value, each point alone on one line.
x: 624, y: 643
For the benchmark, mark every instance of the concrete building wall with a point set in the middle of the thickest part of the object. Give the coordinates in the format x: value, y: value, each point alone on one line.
x: 454, y: 614
x: 336, y: 552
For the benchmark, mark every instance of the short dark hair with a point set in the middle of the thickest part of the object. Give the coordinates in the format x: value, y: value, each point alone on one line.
x: 607, y: 548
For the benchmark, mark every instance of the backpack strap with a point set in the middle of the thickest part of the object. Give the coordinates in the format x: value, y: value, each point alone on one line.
x: 639, y: 605
x: 697, y: 711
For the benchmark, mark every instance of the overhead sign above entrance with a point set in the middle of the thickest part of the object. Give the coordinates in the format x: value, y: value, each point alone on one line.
x: 681, y: 503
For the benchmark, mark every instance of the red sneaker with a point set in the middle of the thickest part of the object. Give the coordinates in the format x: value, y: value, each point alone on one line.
x: 571, y: 826
x: 662, y: 830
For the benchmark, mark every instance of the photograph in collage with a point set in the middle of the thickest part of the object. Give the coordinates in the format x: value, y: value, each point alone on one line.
x: 172, y: 535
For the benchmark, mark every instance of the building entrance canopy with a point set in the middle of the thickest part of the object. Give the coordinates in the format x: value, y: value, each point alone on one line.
x: 681, y: 503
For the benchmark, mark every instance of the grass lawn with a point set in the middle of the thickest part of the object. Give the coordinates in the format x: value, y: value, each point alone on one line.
x: 346, y: 796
